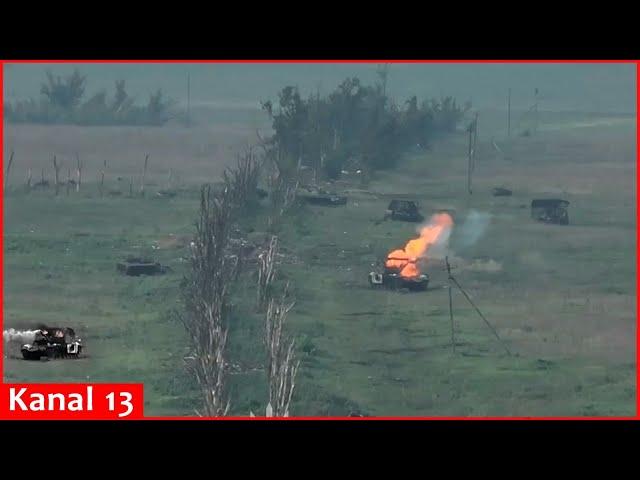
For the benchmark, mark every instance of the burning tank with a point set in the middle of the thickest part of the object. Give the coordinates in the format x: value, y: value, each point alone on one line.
x: 403, y: 267
x: 49, y: 343
x: 392, y: 279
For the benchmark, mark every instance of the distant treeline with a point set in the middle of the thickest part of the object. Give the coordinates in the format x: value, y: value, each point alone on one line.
x: 61, y: 101
x: 355, y: 124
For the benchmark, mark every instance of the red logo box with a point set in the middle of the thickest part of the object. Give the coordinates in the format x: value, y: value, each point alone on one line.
x: 72, y: 401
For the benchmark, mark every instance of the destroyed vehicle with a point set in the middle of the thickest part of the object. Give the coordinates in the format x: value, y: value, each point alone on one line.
x: 551, y: 210
x: 391, y: 279
x: 403, y: 210
x: 135, y: 267
x: 319, y: 196
x: 50, y: 343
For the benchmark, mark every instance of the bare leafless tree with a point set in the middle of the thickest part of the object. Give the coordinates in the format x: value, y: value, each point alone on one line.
x: 282, y: 365
x: 205, y: 297
x: 242, y: 181
x: 283, y: 194
x: 266, y: 273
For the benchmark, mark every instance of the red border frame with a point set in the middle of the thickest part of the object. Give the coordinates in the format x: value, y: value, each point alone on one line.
x: 637, y: 62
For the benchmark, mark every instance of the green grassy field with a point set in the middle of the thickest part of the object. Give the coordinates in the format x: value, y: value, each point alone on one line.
x: 561, y: 297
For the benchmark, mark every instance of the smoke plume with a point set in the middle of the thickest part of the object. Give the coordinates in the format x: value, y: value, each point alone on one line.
x: 20, y: 336
x: 472, y: 229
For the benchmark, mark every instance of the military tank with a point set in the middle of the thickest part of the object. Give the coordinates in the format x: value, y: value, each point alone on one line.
x: 318, y: 196
x: 50, y: 343
x: 403, y: 210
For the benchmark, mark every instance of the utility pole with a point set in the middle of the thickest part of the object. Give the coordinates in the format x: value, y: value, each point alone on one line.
x: 473, y: 126
x: 475, y: 142
x: 493, y: 330
x: 188, y: 100
x: 453, y: 339
x: 535, y: 105
x: 453, y: 282
x: 509, y: 114
x: 319, y: 163
x: 469, y: 159
x: 383, y: 73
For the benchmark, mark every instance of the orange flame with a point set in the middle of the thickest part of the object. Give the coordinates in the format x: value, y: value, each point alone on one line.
x: 406, y: 260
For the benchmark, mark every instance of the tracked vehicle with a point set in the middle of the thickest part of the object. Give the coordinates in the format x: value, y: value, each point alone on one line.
x: 50, y: 343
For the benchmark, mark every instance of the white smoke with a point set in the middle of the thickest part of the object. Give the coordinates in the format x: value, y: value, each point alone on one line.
x: 21, y: 336
x: 440, y: 248
x: 473, y: 228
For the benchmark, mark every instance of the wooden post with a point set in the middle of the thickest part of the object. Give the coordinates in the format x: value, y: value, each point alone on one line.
x: 56, y: 168
x: 144, y: 174
x: 6, y: 177
x: 29, y: 180
x: 79, y: 172
x: 509, y: 114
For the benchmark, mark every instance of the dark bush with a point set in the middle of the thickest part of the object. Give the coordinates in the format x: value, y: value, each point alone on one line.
x: 61, y: 102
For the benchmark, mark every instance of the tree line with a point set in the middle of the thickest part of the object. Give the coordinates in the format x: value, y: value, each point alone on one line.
x: 354, y: 124
x: 62, y: 101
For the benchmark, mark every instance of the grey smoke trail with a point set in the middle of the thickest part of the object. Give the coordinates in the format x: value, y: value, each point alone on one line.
x: 472, y: 229
x: 21, y: 336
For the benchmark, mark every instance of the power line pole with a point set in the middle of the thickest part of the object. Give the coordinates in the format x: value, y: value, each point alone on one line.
x: 535, y: 104
x: 475, y: 142
x: 493, y: 330
x: 188, y: 100
x: 509, y: 114
x: 469, y: 159
x: 453, y: 339
x: 471, y: 153
x: 383, y: 73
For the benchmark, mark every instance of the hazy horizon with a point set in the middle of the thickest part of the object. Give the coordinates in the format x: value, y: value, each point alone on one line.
x: 588, y: 87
